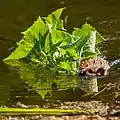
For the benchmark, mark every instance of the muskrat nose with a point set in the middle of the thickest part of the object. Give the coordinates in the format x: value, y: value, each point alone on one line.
x: 82, y: 73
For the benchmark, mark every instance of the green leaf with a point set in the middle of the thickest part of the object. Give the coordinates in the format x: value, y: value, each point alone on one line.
x: 47, y: 43
x: 88, y: 49
x: 53, y: 18
x: 33, y: 34
x: 72, y: 52
x: 99, y: 38
x: 60, y: 25
x: 64, y: 65
x: 62, y: 51
x: 59, y: 35
x: 90, y: 44
x: 84, y: 31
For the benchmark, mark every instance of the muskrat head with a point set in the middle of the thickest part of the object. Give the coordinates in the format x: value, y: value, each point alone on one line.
x: 94, y: 67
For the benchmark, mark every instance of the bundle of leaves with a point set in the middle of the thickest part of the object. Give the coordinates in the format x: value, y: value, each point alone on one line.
x: 48, y: 44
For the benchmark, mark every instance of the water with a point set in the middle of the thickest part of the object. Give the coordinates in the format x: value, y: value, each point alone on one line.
x: 16, y: 16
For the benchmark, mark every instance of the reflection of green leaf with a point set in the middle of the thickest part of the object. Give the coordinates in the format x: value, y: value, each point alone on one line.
x: 28, y: 73
x: 67, y: 82
x: 41, y: 80
x: 42, y: 86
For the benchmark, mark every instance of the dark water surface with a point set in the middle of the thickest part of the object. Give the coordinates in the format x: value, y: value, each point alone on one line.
x: 16, y: 16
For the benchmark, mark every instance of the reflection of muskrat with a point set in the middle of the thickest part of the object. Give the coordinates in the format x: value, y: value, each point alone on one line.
x: 94, y: 67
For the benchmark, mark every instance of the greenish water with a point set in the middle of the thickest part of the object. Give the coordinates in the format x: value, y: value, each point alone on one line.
x: 16, y: 16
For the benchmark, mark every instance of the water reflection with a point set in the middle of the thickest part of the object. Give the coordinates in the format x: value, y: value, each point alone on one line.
x: 49, y: 84
x: 89, y: 85
x: 42, y: 80
x: 33, y: 85
x: 8, y: 82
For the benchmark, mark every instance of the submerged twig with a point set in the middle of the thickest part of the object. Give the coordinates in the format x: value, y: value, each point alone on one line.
x: 101, y: 91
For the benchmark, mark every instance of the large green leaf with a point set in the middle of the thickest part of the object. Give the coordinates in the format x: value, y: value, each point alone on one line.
x: 88, y: 49
x: 84, y: 31
x: 53, y: 19
x: 58, y: 36
x: 31, y: 36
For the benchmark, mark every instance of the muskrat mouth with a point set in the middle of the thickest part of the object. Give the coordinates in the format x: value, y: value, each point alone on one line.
x: 94, y: 67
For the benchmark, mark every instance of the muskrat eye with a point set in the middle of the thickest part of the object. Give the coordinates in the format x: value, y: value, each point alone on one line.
x: 100, y: 71
x: 91, y: 71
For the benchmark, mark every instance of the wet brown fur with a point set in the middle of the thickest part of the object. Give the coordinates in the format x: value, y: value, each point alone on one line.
x: 94, y: 67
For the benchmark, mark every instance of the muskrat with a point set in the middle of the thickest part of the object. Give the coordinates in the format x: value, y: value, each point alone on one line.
x: 94, y: 67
